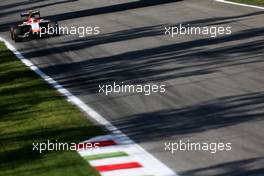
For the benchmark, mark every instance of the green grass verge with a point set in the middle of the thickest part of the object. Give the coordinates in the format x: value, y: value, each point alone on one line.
x: 32, y: 111
x: 251, y: 2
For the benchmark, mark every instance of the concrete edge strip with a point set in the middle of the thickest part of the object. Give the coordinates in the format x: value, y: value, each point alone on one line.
x: 148, y: 161
x: 240, y: 4
x: 126, y: 172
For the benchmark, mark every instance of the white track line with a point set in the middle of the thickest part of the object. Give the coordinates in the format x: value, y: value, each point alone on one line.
x: 148, y: 161
x: 240, y: 4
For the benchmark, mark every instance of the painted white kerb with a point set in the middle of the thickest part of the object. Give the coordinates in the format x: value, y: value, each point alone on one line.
x: 240, y: 4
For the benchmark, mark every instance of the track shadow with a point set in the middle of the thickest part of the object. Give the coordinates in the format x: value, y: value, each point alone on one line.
x: 98, y: 11
x: 19, y: 10
x: 16, y: 4
x: 247, y: 167
x: 110, y: 9
x: 215, y: 114
x: 186, y: 59
x: 119, y: 8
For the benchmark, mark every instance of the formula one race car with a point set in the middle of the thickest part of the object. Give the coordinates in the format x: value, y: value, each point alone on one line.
x: 32, y: 25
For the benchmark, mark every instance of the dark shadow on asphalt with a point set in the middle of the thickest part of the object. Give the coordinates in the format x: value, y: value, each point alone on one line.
x: 214, y: 114
x: 110, y: 9
x: 17, y: 4
x: 19, y: 10
x: 246, y: 167
x: 97, y: 11
x: 186, y: 59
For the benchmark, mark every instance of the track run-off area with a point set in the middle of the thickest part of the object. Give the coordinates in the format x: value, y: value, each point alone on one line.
x: 214, y: 86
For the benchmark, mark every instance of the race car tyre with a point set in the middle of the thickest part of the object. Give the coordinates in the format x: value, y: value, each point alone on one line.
x: 12, y: 32
x: 16, y: 33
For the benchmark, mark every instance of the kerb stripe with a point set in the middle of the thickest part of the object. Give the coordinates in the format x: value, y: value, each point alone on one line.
x: 112, y: 167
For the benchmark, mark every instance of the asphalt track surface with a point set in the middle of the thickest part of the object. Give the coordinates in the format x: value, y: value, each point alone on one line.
x: 215, y: 87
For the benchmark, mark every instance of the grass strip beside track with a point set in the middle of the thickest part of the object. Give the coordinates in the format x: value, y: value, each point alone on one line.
x: 251, y: 2
x: 32, y: 111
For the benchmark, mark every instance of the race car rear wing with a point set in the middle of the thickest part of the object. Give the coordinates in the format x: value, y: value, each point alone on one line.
x: 25, y: 14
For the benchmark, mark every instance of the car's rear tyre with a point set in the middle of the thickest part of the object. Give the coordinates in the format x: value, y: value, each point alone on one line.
x: 12, y: 32
x: 16, y: 33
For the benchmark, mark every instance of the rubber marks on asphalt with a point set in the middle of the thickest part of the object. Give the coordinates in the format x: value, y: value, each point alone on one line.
x: 114, y: 158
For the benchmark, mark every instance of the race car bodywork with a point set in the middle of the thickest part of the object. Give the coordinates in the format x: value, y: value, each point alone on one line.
x: 30, y: 26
